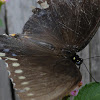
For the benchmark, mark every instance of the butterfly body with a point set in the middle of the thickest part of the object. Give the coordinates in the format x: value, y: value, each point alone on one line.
x: 42, y: 61
x: 77, y: 60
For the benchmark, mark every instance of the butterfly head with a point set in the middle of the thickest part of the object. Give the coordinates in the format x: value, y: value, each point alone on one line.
x: 77, y: 60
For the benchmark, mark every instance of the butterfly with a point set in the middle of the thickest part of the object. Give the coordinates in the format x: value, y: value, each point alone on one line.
x: 42, y: 61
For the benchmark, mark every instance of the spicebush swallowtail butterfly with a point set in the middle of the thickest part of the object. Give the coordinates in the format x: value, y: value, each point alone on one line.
x: 42, y: 61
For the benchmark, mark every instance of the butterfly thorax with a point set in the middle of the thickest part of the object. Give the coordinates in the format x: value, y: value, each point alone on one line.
x: 73, y: 56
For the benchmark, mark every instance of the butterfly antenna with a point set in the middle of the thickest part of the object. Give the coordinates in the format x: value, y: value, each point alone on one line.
x: 91, y: 57
x: 89, y: 73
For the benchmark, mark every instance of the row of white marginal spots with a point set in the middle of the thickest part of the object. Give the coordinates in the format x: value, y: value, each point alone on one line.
x: 19, y: 71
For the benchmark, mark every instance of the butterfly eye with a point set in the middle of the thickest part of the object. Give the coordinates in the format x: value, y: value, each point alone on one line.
x: 74, y: 58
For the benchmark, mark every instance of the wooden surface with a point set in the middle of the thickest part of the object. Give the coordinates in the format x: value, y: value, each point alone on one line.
x: 17, y: 13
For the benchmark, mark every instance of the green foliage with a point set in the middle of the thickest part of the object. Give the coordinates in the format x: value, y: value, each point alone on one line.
x: 1, y: 3
x: 66, y: 98
x: 89, y: 92
x: 1, y: 24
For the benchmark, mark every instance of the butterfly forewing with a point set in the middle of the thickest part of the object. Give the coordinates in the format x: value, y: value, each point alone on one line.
x: 25, y: 45
x: 72, y: 22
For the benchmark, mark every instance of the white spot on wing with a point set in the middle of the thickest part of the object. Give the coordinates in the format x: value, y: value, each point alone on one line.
x: 11, y: 80
x: 5, y: 34
x: 44, y: 5
x: 21, y: 77
x: 18, y: 71
x: 27, y: 89
x: 13, y: 59
x: 0, y: 58
x: 32, y: 99
x: 2, y: 54
x: 14, y: 84
x: 30, y: 94
x: 24, y: 83
x: 9, y: 73
x: 15, y: 64
x: 6, y: 65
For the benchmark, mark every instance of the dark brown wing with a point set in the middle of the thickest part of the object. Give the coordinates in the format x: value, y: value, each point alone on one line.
x: 25, y: 45
x: 37, y: 74
x: 41, y: 78
x: 71, y: 22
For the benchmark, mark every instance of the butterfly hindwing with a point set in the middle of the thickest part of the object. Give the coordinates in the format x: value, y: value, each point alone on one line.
x: 43, y: 77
